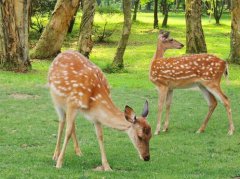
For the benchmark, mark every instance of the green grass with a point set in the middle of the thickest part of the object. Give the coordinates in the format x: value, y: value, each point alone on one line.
x: 29, y: 125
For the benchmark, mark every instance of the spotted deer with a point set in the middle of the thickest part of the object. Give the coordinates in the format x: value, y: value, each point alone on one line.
x: 77, y: 85
x: 200, y: 70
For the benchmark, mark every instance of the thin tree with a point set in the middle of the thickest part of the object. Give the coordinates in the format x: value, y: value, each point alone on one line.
x: 136, y: 6
x: 14, y: 21
x: 51, y: 40
x: 85, y: 42
x: 165, y: 9
x: 118, y: 58
x: 155, y: 23
x: 235, y: 35
x: 218, y: 9
x: 195, y: 40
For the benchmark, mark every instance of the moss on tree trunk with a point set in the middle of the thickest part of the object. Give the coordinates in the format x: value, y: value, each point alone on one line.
x: 85, y: 42
x: 234, y: 56
x: 195, y: 41
x: 118, y: 58
x: 51, y: 40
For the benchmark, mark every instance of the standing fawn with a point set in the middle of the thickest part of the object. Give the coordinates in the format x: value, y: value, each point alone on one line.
x: 201, y: 70
x: 77, y: 85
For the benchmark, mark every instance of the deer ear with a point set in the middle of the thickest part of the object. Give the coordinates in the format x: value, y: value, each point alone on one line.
x: 166, y: 34
x: 145, y: 109
x: 161, y: 32
x: 130, y: 114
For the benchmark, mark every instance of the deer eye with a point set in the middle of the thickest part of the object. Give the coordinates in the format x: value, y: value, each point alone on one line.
x: 140, y: 138
x: 170, y: 40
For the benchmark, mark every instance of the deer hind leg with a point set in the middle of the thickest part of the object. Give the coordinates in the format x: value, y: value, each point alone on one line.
x: 168, y: 105
x: 212, y: 103
x: 75, y: 142
x: 62, y: 116
x: 105, y: 166
x: 217, y: 92
x: 162, y: 98
x: 70, y: 117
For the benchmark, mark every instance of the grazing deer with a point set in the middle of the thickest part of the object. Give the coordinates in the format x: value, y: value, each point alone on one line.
x: 76, y: 84
x: 201, y: 70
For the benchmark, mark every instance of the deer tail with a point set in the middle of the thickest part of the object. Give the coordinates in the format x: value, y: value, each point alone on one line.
x: 226, y: 74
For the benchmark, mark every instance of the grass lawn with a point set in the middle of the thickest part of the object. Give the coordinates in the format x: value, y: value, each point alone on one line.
x: 29, y: 123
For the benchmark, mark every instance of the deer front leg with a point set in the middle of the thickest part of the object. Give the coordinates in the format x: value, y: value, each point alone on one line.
x: 105, y: 166
x: 162, y: 98
x: 62, y: 117
x: 168, y: 105
x: 61, y: 124
x: 71, y: 115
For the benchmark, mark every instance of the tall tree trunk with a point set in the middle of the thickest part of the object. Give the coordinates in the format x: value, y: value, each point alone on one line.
x: 14, y: 17
x: 72, y: 22
x: 235, y: 32
x: 51, y: 40
x: 165, y: 13
x: 195, y: 41
x: 136, y: 5
x: 155, y: 23
x: 118, y: 59
x: 85, y: 43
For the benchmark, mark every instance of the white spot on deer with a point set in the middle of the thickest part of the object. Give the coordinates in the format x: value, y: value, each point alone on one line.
x: 57, y: 82
x: 92, y: 98
x: 195, y: 63
x: 98, y: 85
x: 75, y: 72
x: 104, y: 102
x: 89, y: 90
x: 80, y: 93
x: 75, y: 85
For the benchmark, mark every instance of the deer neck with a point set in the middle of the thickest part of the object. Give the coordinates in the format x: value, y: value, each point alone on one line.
x: 159, y: 52
x: 109, y: 115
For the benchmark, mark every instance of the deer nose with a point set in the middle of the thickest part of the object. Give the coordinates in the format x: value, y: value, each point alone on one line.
x: 182, y: 45
x: 147, y: 158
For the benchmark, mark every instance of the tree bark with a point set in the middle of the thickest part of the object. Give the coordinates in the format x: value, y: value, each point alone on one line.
x: 165, y: 7
x: 51, y: 40
x: 118, y: 59
x: 14, y: 17
x: 72, y: 22
x: 234, y: 56
x: 155, y: 23
x: 136, y: 5
x: 195, y: 41
x: 85, y: 42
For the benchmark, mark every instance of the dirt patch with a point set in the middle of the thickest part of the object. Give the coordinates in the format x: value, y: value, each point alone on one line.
x: 23, y: 96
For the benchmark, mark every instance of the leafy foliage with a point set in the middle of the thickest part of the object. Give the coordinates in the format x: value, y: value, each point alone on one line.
x: 106, y: 13
x: 40, y: 10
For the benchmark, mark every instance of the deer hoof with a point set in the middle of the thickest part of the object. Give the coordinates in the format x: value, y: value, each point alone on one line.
x: 165, y: 130
x: 78, y: 152
x: 59, y: 165
x: 230, y: 132
x: 156, y: 132
x: 102, y: 168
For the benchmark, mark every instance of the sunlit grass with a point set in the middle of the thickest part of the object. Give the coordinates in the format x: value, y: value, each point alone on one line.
x: 28, y: 126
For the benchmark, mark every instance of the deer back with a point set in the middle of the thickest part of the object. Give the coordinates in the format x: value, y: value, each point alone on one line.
x: 187, y: 69
x: 74, y: 78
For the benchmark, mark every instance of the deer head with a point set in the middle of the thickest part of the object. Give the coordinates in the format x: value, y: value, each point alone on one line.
x: 167, y: 42
x: 140, y: 131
